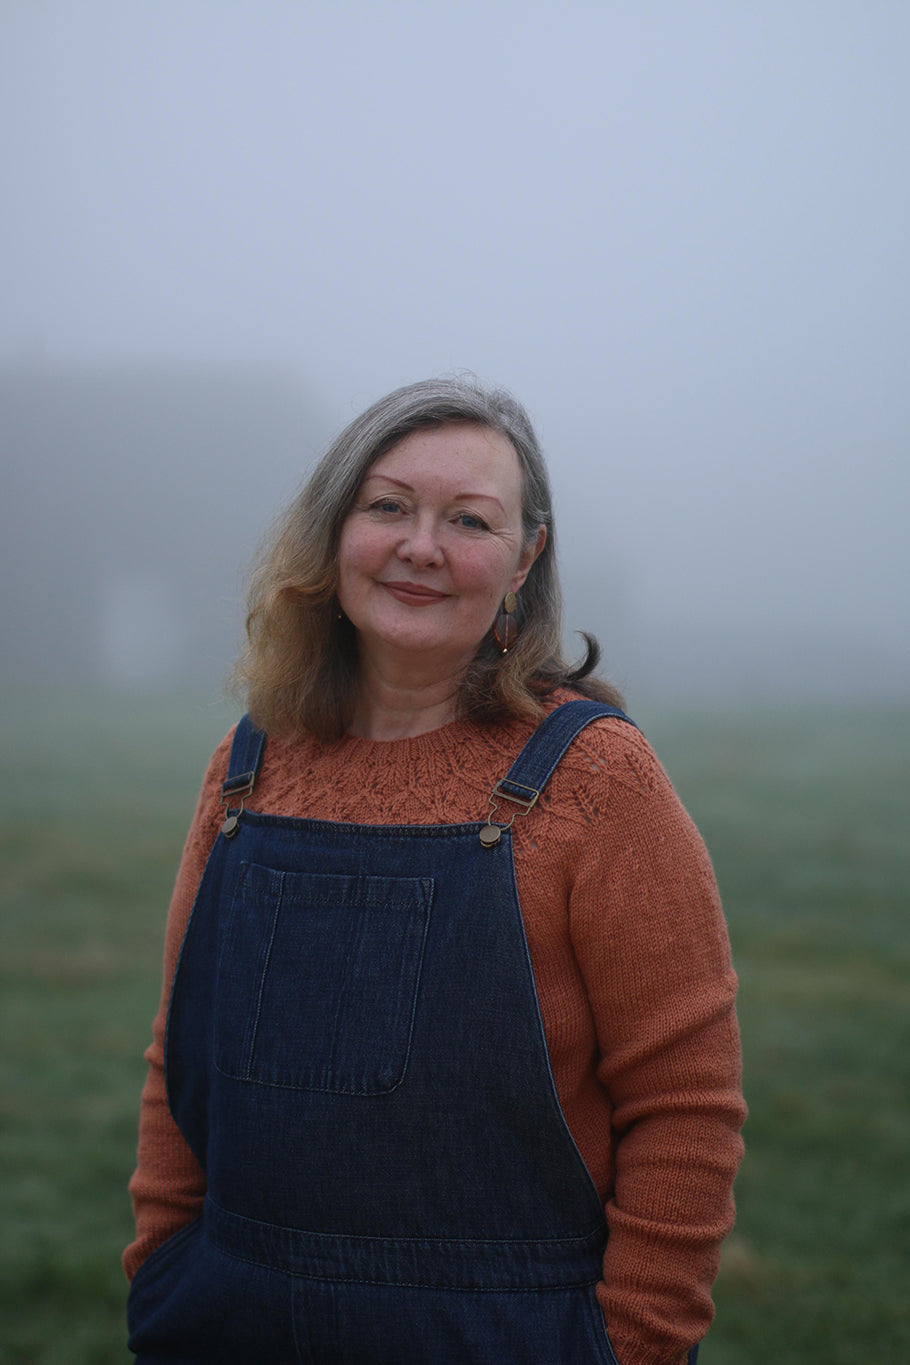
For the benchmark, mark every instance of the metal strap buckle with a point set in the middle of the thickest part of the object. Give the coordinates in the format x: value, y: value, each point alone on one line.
x: 492, y: 830
x: 526, y: 802
x: 232, y: 817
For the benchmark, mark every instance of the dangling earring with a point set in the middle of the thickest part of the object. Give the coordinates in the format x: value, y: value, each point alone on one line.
x: 505, y: 631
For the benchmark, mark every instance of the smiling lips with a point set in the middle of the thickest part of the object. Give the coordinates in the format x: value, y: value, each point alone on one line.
x: 414, y: 594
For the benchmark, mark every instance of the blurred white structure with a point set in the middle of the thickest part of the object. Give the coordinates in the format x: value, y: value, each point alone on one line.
x: 141, y: 633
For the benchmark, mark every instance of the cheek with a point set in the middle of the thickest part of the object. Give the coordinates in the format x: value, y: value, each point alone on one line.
x: 358, y: 552
x: 351, y: 571
x: 486, y: 577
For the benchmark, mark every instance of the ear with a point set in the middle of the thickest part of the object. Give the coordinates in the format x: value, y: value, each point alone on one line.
x: 528, y: 556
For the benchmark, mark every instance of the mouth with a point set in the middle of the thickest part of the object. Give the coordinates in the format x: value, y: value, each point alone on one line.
x: 414, y: 593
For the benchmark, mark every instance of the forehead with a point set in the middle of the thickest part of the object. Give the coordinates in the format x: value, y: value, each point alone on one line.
x: 460, y: 455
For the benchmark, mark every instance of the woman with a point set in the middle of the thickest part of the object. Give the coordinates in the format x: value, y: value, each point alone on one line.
x: 412, y: 1098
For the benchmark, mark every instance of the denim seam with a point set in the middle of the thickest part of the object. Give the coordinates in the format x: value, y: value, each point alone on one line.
x: 277, y: 879
x: 556, y: 1288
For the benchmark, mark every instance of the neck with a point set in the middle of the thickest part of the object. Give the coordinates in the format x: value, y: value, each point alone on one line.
x: 400, y: 705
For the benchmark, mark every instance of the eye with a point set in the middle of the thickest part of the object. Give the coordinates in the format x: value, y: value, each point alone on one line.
x: 471, y: 521
x: 387, y: 505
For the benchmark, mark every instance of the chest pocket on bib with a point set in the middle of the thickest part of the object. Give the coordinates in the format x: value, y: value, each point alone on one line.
x: 318, y: 978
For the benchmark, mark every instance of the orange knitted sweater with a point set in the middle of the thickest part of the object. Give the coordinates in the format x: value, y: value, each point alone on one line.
x: 632, y: 968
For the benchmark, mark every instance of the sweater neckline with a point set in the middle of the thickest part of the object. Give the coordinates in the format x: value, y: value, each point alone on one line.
x: 431, y: 741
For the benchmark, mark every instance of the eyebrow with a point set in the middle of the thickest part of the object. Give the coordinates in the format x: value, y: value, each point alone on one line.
x: 409, y: 488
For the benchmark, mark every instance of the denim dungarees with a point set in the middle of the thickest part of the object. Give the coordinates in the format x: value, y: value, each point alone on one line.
x: 355, y: 1056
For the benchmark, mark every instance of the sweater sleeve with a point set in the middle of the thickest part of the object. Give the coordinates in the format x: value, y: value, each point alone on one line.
x: 168, y: 1185
x: 651, y: 941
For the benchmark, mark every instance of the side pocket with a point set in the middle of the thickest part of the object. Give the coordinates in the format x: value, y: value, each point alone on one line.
x: 611, y: 1358
x: 318, y: 980
x: 152, y: 1281
x: 599, y: 1328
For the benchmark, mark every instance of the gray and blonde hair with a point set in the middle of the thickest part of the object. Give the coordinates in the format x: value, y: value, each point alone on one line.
x: 299, y: 672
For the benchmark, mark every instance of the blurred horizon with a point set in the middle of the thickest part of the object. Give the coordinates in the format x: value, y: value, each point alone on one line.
x: 137, y: 516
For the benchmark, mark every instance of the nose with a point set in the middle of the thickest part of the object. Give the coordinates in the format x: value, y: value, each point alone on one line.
x: 420, y: 544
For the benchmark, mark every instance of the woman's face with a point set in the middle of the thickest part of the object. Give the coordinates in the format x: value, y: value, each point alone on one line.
x: 432, y: 545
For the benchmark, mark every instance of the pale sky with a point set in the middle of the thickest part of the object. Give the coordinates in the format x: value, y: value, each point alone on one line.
x: 678, y: 232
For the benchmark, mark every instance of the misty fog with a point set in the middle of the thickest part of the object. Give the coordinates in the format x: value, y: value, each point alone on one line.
x: 677, y: 233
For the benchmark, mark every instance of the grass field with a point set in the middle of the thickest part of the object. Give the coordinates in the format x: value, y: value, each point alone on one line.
x: 807, y: 818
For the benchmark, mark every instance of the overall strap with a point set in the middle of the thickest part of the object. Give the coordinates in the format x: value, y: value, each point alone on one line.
x: 534, y: 766
x: 246, y: 756
x: 243, y: 766
x: 537, y: 761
